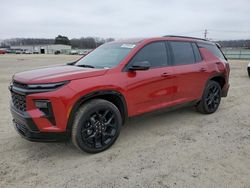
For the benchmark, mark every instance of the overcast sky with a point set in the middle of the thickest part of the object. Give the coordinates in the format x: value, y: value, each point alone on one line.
x: 224, y: 19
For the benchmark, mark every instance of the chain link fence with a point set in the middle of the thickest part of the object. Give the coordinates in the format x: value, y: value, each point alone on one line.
x: 237, y: 53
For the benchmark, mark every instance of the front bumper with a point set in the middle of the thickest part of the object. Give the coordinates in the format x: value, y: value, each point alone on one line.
x: 26, y: 127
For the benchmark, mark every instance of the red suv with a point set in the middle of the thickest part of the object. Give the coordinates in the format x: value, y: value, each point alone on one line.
x: 90, y: 99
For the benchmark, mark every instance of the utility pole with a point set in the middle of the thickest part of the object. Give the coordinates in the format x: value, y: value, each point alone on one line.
x: 205, y: 34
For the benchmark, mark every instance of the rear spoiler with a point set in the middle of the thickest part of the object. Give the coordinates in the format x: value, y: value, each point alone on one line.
x: 218, y: 45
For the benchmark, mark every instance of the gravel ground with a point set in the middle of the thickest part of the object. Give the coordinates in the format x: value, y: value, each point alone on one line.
x: 181, y: 148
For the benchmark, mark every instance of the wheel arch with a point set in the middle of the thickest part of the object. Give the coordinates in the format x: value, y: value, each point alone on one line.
x: 220, y: 78
x: 112, y: 96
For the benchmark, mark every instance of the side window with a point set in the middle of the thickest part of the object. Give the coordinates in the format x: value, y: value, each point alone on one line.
x: 155, y: 53
x: 197, y: 54
x: 212, y: 48
x: 183, y: 53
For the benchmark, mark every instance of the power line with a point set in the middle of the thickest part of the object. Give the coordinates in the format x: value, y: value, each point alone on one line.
x: 229, y: 31
x: 189, y: 32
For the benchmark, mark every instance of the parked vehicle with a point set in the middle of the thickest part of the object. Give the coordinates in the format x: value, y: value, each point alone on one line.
x: 248, y: 69
x: 85, y: 52
x: 19, y: 51
x: 89, y: 100
x: 73, y: 52
x: 2, y: 51
x: 9, y: 51
x: 57, y: 52
x: 35, y: 52
x: 27, y: 52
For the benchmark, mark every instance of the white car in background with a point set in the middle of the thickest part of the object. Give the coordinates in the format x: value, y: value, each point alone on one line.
x: 85, y: 52
x: 27, y: 52
x: 73, y: 52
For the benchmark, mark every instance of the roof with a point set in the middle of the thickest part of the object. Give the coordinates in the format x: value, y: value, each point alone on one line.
x: 130, y: 40
x: 185, y: 37
x: 166, y: 37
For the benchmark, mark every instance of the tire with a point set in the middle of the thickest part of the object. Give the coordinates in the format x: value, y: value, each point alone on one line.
x: 96, y: 126
x: 210, y: 99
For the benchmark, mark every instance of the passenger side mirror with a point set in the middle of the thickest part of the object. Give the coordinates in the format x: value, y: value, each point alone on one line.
x: 141, y: 65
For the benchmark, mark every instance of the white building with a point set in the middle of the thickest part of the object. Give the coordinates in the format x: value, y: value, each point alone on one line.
x: 44, y: 49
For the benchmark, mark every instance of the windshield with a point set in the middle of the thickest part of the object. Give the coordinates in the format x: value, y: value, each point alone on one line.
x: 106, y: 56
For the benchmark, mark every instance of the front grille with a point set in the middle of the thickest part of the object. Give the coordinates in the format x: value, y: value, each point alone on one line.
x: 21, y: 128
x: 19, y: 101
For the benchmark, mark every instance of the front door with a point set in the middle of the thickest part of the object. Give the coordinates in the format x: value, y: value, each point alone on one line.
x: 151, y: 89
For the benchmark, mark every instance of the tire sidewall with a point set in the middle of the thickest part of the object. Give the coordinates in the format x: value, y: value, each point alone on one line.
x: 86, y: 110
x: 205, y: 106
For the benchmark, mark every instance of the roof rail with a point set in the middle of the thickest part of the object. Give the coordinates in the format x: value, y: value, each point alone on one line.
x: 185, y: 37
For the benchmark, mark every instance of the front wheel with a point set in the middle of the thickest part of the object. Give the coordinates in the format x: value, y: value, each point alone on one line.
x: 96, y: 126
x: 211, y: 98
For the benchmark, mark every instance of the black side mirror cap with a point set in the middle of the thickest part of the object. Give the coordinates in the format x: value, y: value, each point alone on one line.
x: 141, y: 65
x: 71, y: 63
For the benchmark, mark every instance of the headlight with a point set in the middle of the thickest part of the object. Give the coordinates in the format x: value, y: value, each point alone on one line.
x: 46, y: 86
x: 35, y: 88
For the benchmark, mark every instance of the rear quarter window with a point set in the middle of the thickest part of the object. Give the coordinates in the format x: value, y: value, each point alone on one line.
x: 183, y: 52
x: 197, y: 54
x: 213, y: 49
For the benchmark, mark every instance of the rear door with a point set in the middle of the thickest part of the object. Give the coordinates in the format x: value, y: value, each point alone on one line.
x: 150, y: 89
x: 190, y: 71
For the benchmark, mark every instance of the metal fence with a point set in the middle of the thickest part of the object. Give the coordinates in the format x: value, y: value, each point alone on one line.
x: 237, y: 53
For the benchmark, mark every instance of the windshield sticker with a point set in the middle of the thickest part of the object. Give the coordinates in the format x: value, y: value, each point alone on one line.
x: 128, y: 45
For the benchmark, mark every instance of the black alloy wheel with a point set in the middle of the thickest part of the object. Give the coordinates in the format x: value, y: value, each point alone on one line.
x: 96, y: 126
x: 211, y: 98
x: 99, y: 129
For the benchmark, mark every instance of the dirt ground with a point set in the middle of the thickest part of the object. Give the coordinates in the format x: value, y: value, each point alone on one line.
x: 182, y: 148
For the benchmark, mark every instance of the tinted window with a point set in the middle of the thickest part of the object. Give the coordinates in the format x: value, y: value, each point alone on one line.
x: 196, y: 53
x: 155, y: 53
x: 212, y: 48
x: 183, y: 53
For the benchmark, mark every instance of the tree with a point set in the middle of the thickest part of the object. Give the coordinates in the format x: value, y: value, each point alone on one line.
x: 62, y: 40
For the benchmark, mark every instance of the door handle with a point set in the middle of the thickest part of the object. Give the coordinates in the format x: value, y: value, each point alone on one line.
x: 202, y: 70
x: 165, y: 74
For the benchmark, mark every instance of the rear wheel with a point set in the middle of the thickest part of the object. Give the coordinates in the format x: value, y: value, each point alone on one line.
x: 96, y: 126
x: 211, y: 98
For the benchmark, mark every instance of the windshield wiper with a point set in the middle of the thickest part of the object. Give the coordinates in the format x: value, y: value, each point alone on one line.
x: 87, y: 66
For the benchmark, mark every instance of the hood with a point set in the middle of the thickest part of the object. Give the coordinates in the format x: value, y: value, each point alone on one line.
x: 56, y: 74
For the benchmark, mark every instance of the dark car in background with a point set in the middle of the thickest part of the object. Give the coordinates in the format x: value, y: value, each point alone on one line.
x: 248, y: 69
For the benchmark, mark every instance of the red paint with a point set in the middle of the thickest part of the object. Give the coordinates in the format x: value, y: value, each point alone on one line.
x: 143, y: 91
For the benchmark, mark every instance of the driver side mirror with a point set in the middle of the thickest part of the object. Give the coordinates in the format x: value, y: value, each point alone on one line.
x: 71, y: 63
x: 141, y: 65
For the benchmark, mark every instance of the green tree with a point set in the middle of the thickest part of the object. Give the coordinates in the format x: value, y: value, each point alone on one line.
x: 62, y: 40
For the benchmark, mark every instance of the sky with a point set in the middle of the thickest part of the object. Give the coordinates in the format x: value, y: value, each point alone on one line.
x: 223, y: 19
